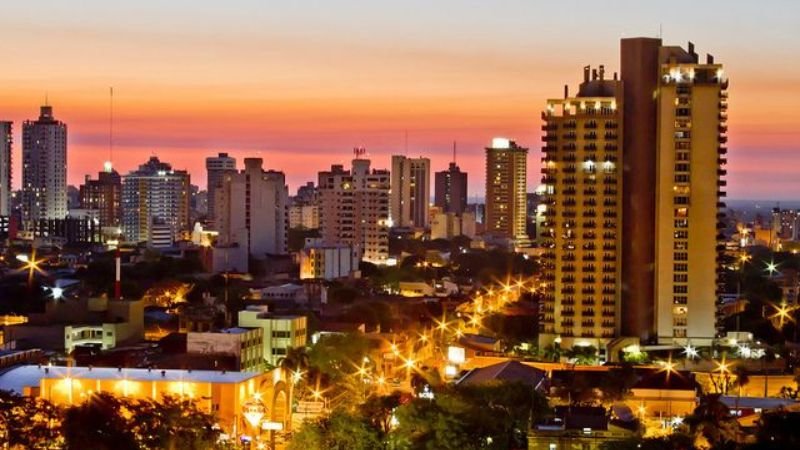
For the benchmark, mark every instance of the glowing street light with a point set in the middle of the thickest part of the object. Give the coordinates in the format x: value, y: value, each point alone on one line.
x: 782, y: 313
x: 56, y: 292
x: 772, y: 267
x: 690, y: 351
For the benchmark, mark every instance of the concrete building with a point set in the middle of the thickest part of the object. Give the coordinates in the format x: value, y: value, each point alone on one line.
x: 222, y: 393
x: 216, y: 169
x: 691, y: 107
x: 6, y: 147
x: 44, y: 168
x: 304, y: 216
x: 154, y: 193
x: 98, y: 322
x: 252, y: 210
x: 245, y: 345
x: 674, y: 146
x: 327, y: 261
x: 450, y: 192
x: 506, y: 189
x: 104, y: 195
x: 447, y: 225
x: 281, y: 332
x: 582, y: 190
x: 354, y: 209
x: 411, y: 191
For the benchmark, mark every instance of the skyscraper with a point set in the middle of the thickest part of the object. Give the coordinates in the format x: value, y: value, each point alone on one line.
x: 252, y: 209
x: 6, y: 141
x: 506, y: 184
x: 44, y: 168
x: 691, y: 106
x: 154, y: 194
x: 672, y: 111
x: 580, y: 234
x: 104, y: 195
x: 411, y: 191
x: 451, y: 190
x: 354, y: 209
x: 216, y: 168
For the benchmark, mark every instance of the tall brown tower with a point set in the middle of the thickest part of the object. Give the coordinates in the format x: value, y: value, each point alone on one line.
x: 639, y: 72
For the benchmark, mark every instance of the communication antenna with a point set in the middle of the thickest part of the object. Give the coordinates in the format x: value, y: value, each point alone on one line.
x: 110, y: 124
x: 454, y: 152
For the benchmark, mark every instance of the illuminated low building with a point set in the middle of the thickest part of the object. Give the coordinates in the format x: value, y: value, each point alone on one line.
x: 327, y: 261
x: 222, y: 393
x: 246, y: 345
x: 281, y: 332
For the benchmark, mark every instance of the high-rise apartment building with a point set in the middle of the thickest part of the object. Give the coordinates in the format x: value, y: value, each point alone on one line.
x: 6, y: 141
x: 506, y: 184
x: 44, y: 168
x: 154, y: 193
x: 582, y: 192
x: 104, y: 195
x: 691, y: 107
x: 354, y: 209
x: 216, y: 168
x: 668, y: 134
x: 411, y: 191
x: 252, y: 209
x: 450, y: 192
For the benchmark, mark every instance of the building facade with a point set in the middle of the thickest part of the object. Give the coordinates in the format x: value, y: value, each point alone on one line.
x: 216, y: 168
x: 506, y: 184
x: 103, y: 195
x: 280, y: 332
x: 252, y: 209
x: 691, y: 126
x: 411, y: 191
x: 245, y: 345
x: 450, y: 192
x: 354, y: 209
x: 6, y: 146
x: 154, y: 193
x: 44, y: 168
x: 583, y: 181
x: 327, y: 262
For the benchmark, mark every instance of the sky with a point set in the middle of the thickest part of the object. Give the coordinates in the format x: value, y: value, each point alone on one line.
x: 301, y: 83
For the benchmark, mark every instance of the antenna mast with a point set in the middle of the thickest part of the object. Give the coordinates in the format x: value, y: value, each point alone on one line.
x: 111, y: 124
x: 454, y: 152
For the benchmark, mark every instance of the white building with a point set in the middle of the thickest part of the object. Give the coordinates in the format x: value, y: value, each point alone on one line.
x: 216, y: 168
x: 449, y: 225
x: 354, y: 209
x: 411, y: 191
x: 154, y: 193
x: 6, y: 140
x: 280, y: 332
x: 44, y: 168
x: 327, y: 261
x: 251, y: 209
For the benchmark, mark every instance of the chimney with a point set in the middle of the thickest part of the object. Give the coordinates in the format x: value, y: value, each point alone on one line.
x: 602, y: 72
x: 615, y: 76
x: 690, y: 46
x: 594, y: 74
x: 566, y: 91
x: 586, y: 70
x: 709, y: 58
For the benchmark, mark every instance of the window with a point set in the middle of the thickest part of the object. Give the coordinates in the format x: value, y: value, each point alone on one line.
x: 680, y: 267
x: 680, y: 289
x: 680, y: 278
x: 680, y: 256
x: 680, y: 245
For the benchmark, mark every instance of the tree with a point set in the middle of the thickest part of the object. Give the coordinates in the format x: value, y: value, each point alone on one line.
x: 339, y: 431
x: 711, y: 424
x: 337, y: 355
x: 28, y: 422
x: 173, y: 423
x: 778, y: 430
x: 98, y: 423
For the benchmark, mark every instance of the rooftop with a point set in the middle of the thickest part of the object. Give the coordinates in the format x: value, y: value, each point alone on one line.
x: 17, y: 378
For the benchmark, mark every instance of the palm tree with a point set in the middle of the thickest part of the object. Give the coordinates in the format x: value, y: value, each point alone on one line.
x: 293, y: 364
x: 712, y: 421
x: 742, y: 379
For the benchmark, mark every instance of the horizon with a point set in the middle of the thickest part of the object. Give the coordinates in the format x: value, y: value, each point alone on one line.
x: 189, y: 83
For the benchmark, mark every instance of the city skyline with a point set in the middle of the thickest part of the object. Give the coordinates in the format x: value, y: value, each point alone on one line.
x: 246, y: 82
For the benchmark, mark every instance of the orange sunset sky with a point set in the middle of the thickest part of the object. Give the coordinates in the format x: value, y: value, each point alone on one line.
x: 302, y: 83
